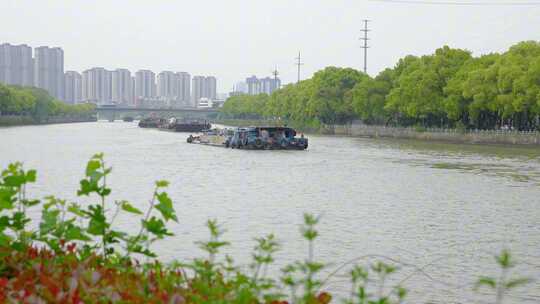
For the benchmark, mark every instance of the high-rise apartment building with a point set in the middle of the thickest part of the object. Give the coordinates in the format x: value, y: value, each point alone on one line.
x: 167, y: 88
x: 49, y: 70
x: 269, y: 85
x: 16, y: 65
x: 133, y: 91
x: 253, y: 85
x: 122, y: 92
x: 72, y: 87
x: 211, y: 88
x: 203, y: 87
x: 145, y: 84
x: 184, y: 88
x: 97, y: 86
x: 197, y: 89
x: 167, y: 85
x: 263, y: 85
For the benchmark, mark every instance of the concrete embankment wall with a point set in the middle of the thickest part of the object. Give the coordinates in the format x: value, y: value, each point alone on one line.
x: 449, y: 135
x: 434, y: 134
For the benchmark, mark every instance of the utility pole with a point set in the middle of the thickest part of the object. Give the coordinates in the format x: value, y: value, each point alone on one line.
x: 365, y: 46
x: 275, y: 73
x: 298, y: 63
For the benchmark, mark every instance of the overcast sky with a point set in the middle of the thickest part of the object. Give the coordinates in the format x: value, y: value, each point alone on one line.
x: 233, y: 39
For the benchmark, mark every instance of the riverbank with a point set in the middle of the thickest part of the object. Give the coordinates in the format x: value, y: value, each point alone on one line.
x: 21, y: 120
x: 496, y: 137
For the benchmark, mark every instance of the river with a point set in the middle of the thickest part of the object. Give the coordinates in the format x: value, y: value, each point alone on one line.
x: 442, y: 207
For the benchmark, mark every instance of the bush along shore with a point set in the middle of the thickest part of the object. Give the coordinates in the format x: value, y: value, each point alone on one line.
x: 30, y: 106
x: 77, y: 255
x: 448, y: 89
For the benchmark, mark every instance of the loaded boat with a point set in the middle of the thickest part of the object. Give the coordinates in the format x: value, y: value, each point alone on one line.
x: 254, y: 138
x: 151, y: 122
x: 213, y: 137
x: 175, y: 125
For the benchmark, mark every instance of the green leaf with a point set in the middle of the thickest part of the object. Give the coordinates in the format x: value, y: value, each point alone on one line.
x: 114, y: 235
x: 486, y: 281
x: 31, y: 176
x: 96, y: 226
x: 92, y: 166
x: 162, y: 183
x: 4, y: 222
x: 49, y: 220
x: 401, y: 292
x: 143, y: 251
x: 4, y: 239
x: 165, y: 207
x: 98, y: 222
x: 126, y: 206
x: 517, y: 282
x: 7, y: 198
x: 505, y: 259
x: 14, y: 180
x: 156, y: 227
x: 19, y: 221
x: 87, y: 187
x: 75, y: 209
x: 30, y: 203
x: 105, y: 191
x: 76, y: 233
x: 6, y: 204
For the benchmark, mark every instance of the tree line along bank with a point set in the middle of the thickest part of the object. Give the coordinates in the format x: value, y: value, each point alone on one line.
x: 449, y: 88
x: 30, y: 105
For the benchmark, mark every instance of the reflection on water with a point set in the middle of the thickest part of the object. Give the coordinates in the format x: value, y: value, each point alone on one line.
x: 442, y: 208
x: 518, y: 163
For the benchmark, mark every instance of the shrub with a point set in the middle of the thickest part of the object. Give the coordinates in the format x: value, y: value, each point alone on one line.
x: 77, y: 256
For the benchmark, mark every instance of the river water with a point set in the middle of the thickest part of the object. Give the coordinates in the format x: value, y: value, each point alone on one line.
x: 444, y: 208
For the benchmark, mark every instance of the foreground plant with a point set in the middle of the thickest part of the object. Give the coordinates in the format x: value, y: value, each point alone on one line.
x: 76, y: 254
x: 502, y: 284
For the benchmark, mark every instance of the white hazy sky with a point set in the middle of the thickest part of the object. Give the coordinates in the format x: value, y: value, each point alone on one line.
x: 233, y: 39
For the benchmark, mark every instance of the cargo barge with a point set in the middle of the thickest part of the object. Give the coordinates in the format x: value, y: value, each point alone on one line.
x: 174, y: 125
x: 252, y: 138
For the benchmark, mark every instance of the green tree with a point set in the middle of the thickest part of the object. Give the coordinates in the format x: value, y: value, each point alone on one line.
x: 419, y: 90
x: 330, y: 101
x: 369, y: 98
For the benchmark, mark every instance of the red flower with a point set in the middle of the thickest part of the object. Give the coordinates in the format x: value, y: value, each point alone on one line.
x: 71, y: 247
x: 3, y: 282
x: 324, y: 298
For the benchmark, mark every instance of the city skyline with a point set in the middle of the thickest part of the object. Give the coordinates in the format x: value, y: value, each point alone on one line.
x: 43, y: 67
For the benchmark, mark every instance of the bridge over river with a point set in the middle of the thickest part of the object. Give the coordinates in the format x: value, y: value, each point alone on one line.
x: 112, y: 113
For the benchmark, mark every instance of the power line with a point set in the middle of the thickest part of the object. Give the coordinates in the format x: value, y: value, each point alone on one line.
x: 471, y: 3
x: 298, y: 63
x: 365, y: 46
